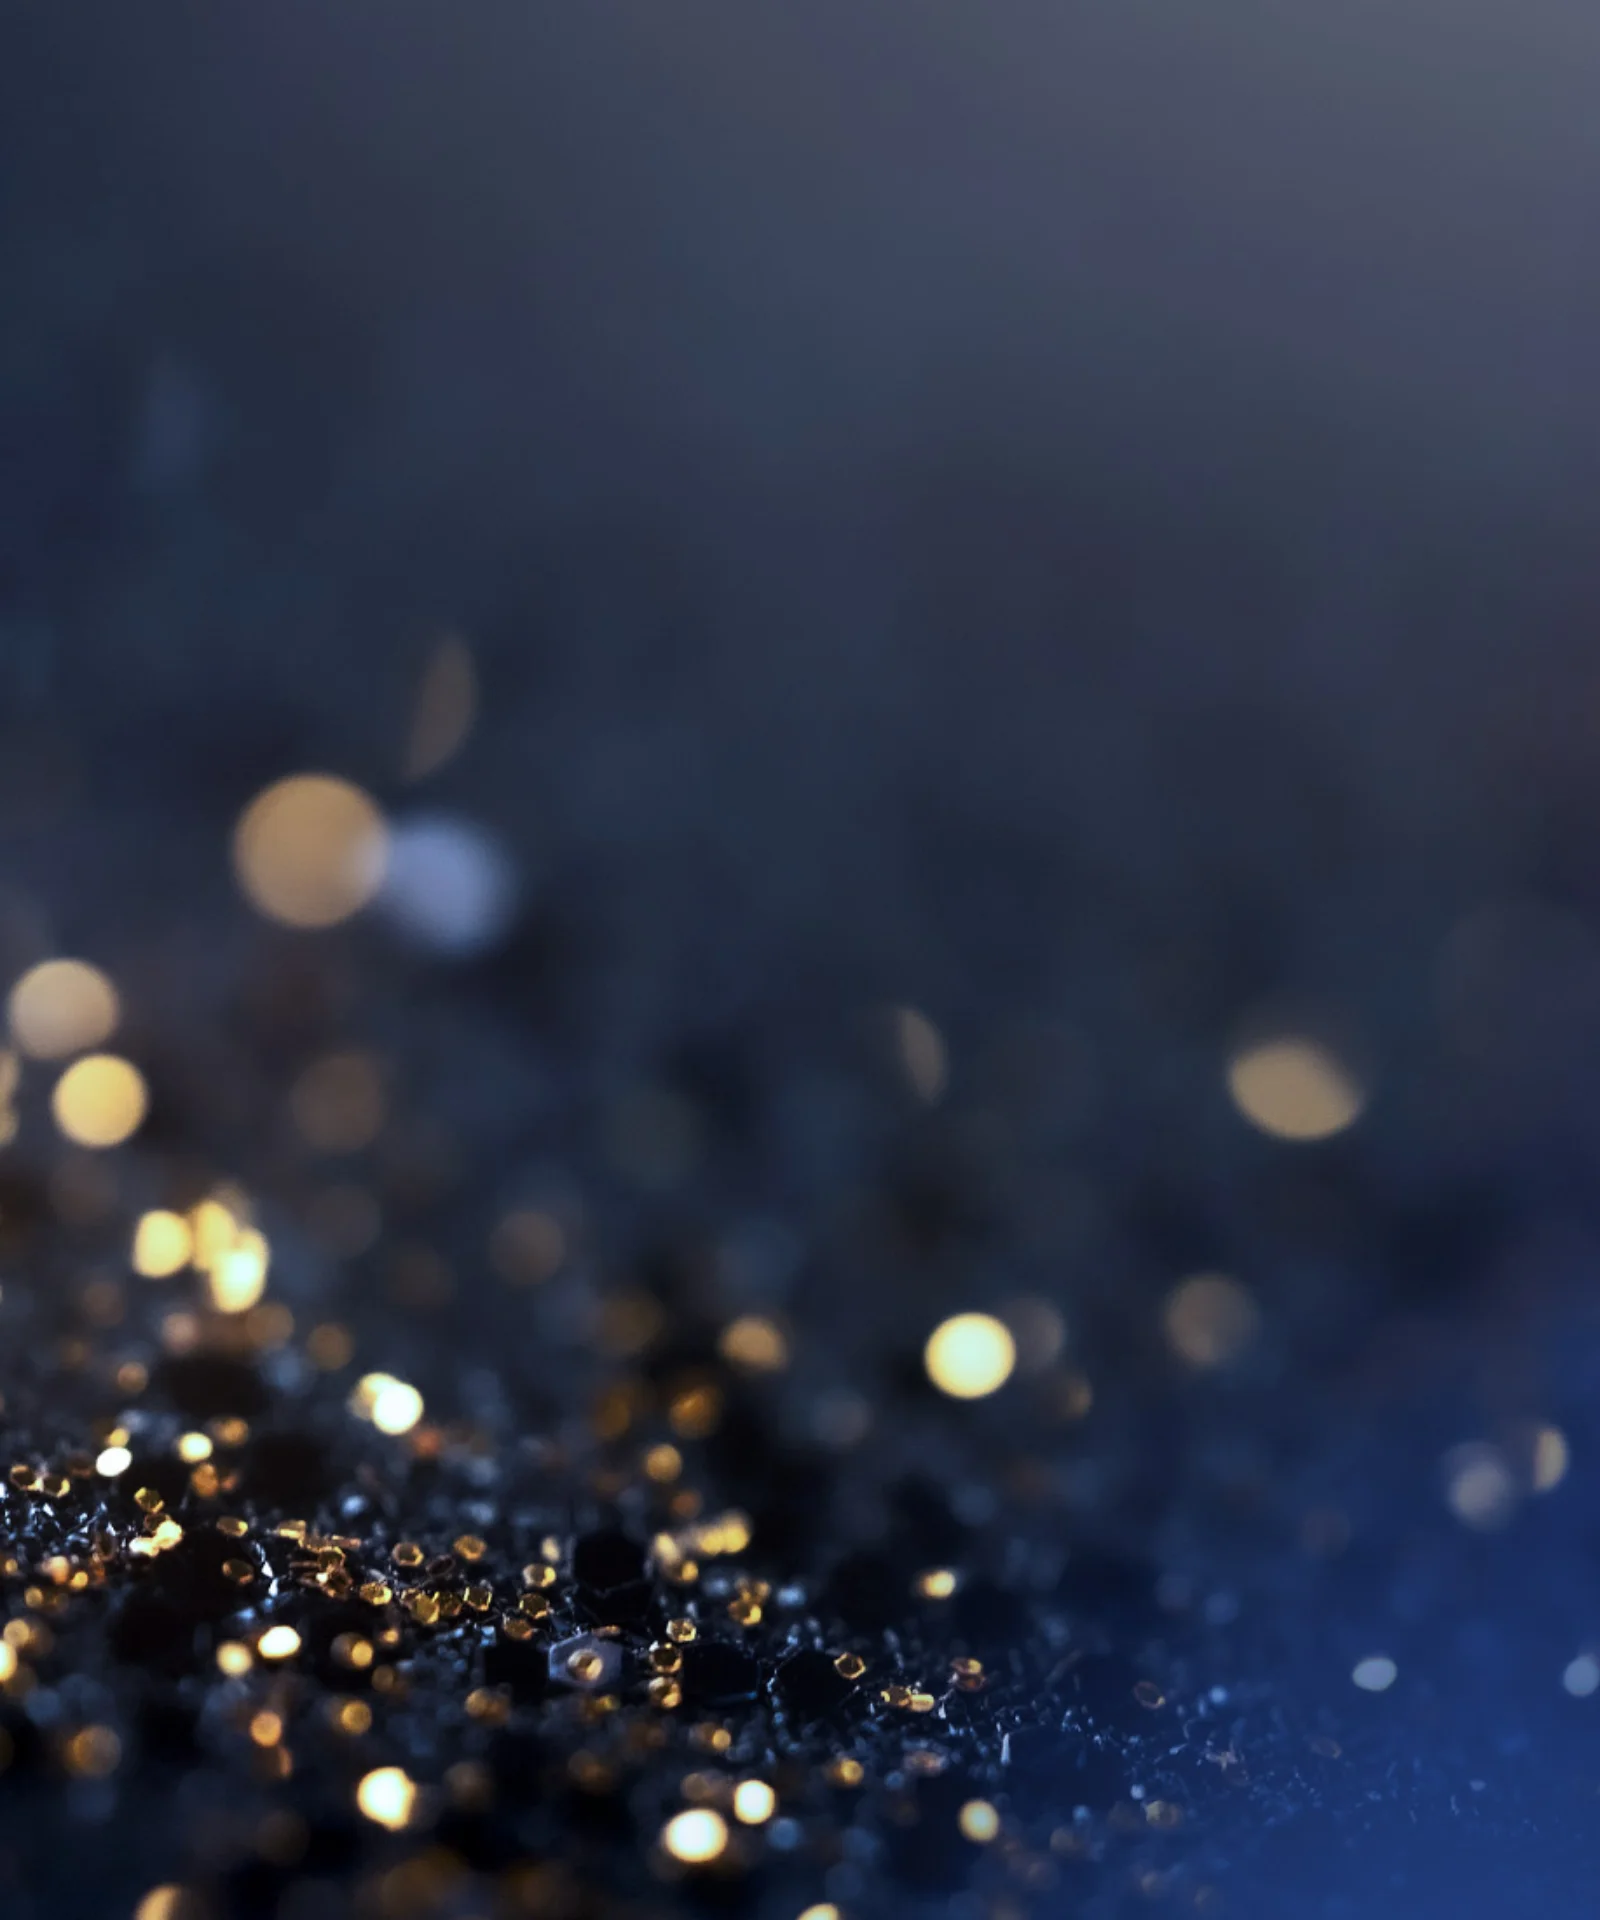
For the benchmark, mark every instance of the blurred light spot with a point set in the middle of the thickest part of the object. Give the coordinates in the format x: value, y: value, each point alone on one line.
x: 193, y: 1448
x: 278, y: 1643
x: 1375, y: 1674
x: 164, y: 1903
x: 920, y: 1049
x: 61, y: 1007
x: 1480, y: 1487
x: 826, y: 1911
x: 162, y: 1244
x: 1210, y: 1320
x: 754, y: 1343
x: 1581, y: 1676
x: 213, y: 1230
x: 938, y: 1583
x: 329, y: 1347
x: 695, y: 1836
x: 451, y: 886
x: 387, y: 1796
x: 391, y: 1405
x: 1038, y: 1329
x: 112, y: 1462
x: 447, y: 706
x: 234, y: 1659
x: 1295, y: 1089
x: 979, y: 1822
x: 754, y: 1802
x: 970, y: 1355
x: 99, y: 1101
x: 237, y: 1277
x: 1551, y: 1459
x: 92, y: 1752
x: 527, y: 1246
x: 310, y: 851
x: 337, y: 1103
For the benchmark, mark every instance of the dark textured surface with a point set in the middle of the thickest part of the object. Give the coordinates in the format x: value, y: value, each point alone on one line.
x: 1080, y: 522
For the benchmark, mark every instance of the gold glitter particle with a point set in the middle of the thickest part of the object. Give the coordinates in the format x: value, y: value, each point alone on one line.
x: 407, y: 1555
x: 100, y: 1101
x: 745, y: 1610
x: 162, y: 1245
x: 469, y: 1548
x: 586, y: 1665
x: 329, y: 1347
x: 391, y: 1405
x: 754, y: 1803
x: 979, y: 1822
x: 754, y: 1343
x: 61, y: 1007
x: 310, y: 850
x: 92, y: 1752
x: 970, y: 1355
x: 1149, y: 1695
x: 665, y: 1693
x: 695, y: 1836
x: 845, y: 1772
x: 1294, y: 1089
x: 1551, y: 1457
x: 233, y: 1526
x: 240, y: 1572
x: 354, y: 1651
x: 1165, y: 1814
x: 1209, y: 1320
x: 489, y: 1705
x: 665, y: 1659
x: 694, y: 1412
x: 388, y: 1797
x: 446, y: 707
x: 663, y: 1464
x: 516, y: 1628
x: 850, y: 1666
x: 539, y: 1574
x: 164, y: 1903
x: 377, y: 1593
x: 682, y: 1631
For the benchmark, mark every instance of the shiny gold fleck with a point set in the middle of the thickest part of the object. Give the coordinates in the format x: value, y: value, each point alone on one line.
x: 979, y: 1822
x: 695, y: 1836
